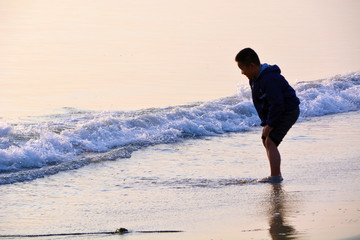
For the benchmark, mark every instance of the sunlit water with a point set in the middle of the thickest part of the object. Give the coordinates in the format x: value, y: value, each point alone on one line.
x: 128, y: 55
x: 133, y: 114
x: 201, y: 186
x: 59, y: 142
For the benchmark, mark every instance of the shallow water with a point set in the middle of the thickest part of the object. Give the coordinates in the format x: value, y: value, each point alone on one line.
x: 190, y: 186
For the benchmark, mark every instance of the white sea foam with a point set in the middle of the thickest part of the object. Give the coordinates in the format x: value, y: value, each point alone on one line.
x: 334, y: 95
x: 72, y: 140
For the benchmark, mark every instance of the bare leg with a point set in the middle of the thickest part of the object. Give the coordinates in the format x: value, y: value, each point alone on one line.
x: 273, y: 156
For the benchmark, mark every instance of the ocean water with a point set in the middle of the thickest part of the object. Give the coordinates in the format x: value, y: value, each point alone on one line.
x: 191, y: 168
x: 202, y: 184
x: 50, y: 144
x: 129, y: 55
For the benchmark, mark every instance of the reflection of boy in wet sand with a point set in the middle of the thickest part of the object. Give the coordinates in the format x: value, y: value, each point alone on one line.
x: 275, y: 102
x: 279, y: 229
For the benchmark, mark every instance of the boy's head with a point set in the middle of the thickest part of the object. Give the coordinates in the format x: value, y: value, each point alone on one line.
x: 249, y: 62
x: 247, y: 56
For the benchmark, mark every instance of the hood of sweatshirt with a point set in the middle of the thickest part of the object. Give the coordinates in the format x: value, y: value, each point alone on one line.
x: 265, y: 68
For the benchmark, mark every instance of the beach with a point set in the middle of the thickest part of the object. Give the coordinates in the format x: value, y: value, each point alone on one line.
x: 134, y: 114
x: 203, y: 187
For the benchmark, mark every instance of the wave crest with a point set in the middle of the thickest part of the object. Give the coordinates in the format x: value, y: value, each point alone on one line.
x: 78, y: 138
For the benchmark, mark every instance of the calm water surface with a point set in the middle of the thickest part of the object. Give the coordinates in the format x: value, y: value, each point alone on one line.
x: 122, y: 55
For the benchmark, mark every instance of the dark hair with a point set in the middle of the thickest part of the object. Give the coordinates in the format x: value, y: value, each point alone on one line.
x: 247, y: 56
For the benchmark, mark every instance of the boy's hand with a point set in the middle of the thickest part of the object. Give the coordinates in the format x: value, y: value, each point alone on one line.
x: 266, y: 130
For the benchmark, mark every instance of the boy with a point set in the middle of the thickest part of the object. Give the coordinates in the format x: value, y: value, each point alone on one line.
x: 275, y: 102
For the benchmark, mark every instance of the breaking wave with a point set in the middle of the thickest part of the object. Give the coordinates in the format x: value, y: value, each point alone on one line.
x: 77, y: 138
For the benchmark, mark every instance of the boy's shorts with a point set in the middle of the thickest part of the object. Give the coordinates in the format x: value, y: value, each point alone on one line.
x: 286, y: 121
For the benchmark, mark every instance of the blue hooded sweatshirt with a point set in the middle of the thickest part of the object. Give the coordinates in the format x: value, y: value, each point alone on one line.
x: 272, y: 95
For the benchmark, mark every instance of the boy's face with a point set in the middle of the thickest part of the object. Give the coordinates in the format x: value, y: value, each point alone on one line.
x: 250, y: 71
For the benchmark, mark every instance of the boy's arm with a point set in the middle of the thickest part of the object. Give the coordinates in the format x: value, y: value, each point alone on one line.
x: 258, y: 108
x: 275, y: 99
